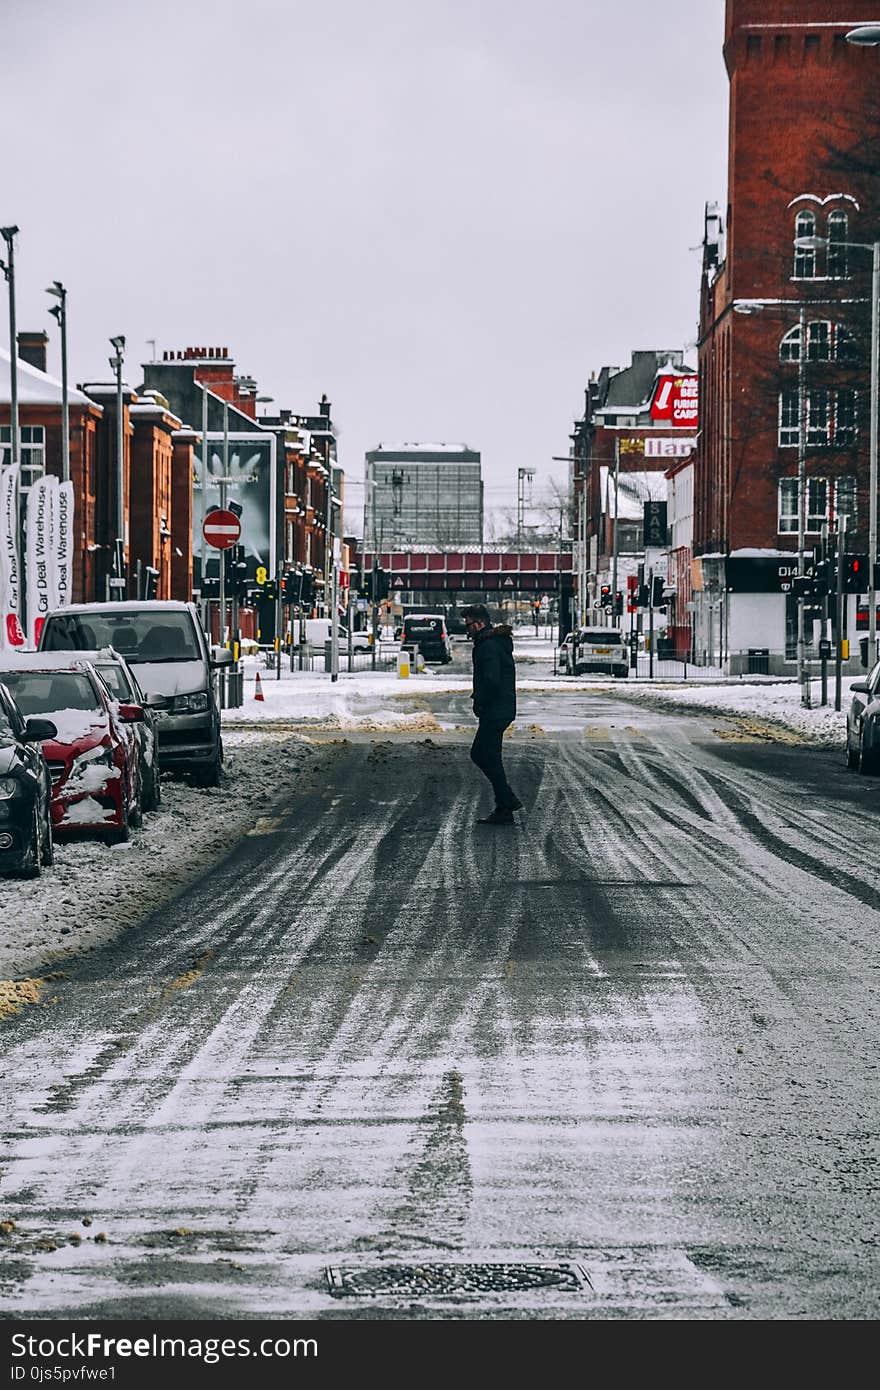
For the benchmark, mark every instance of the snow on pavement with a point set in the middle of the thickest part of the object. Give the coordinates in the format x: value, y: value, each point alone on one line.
x: 777, y: 703
x: 95, y: 891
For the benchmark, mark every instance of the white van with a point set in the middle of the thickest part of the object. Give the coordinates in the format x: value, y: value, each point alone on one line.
x: 318, y: 631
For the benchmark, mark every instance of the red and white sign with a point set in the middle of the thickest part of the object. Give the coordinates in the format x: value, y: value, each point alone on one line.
x: 676, y: 401
x: 221, y: 529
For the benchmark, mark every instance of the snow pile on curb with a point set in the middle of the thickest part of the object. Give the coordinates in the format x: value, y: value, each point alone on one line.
x: 775, y: 703
x: 94, y: 891
x: 360, y: 700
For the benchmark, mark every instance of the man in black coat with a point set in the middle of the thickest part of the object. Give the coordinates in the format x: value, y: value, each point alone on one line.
x: 494, y: 705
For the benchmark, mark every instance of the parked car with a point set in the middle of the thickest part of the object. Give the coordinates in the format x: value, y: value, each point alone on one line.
x: 164, y: 645
x: 26, y: 843
x: 122, y: 684
x: 863, y: 723
x: 600, y: 649
x: 563, y: 654
x: 92, y: 757
x: 427, y: 632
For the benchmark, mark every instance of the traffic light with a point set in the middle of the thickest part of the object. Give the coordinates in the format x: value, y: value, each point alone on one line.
x: 307, y: 592
x: 618, y: 604
x: 658, y: 584
x: 855, y: 574
x: 605, y: 596
x: 150, y: 582
x: 822, y: 578
x: 236, y: 570
x: 291, y: 586
x: 379, y: 585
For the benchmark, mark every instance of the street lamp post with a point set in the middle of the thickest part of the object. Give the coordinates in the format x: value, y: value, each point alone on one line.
x: 118, y: 343
x: 816, y: 243
x: 59, y: 313
x: 8, y: 267
x: 753, y: 306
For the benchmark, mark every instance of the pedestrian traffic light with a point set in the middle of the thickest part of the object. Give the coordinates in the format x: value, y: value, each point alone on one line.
x: 822, y: 578
x: 855, y: 574
x: 236, y: 570
x: 291, y: 586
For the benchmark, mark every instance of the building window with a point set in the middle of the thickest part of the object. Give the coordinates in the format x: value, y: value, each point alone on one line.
x: 818, y: 417
x: 788, y: 418
x: 788, y: 506
x: 817, y: 503
x: 837, y: 266
x: 32, y: 439
x: 845, y: 419
x: 804, y: 260
x: 826, y: 342
x: 845, y: 500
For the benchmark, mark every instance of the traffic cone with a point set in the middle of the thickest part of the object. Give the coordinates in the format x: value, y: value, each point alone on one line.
x: 258, y: 689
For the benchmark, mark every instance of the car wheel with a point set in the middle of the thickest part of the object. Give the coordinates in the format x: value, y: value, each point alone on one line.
x: 48, y: 856
x: 154, y: 801
x: 32, y: 859
x: 121, y: 833
x: 209, y: 776
x: 868, y: 764
x: 852, y: 755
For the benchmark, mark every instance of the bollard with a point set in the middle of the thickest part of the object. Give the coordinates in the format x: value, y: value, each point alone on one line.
x: 403, y: 667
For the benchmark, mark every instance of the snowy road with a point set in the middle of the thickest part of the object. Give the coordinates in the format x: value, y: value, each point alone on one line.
x: 635, y: 1036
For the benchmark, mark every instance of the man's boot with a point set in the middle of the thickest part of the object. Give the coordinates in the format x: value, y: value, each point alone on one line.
x: 498, y: 817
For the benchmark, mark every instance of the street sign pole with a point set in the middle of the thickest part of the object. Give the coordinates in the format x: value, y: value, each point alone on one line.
x: 278, y: 622
x: 838, y: 655
x: 374, y: 585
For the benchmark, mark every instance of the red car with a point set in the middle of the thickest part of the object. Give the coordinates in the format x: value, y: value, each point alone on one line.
x: 94, y: 758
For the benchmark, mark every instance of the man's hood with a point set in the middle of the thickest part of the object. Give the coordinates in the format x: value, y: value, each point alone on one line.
x: 502, y: 630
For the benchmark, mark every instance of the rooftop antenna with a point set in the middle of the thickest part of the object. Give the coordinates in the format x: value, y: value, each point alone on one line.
x: 151, y: 342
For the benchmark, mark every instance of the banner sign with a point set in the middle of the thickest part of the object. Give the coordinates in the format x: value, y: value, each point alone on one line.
x: 11, y: 632
x: 676, y: 401
x: 654, y: 518
x: 670, y: 448
x: 250, y: 472
x: 63, y: 518
x: 40, y: 554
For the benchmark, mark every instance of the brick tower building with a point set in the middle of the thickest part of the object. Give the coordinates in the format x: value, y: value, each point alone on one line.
x: 784, y: 326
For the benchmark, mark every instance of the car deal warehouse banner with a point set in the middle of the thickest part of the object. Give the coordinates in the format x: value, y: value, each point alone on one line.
x: 11, y: 631
x: 41, y: 570
x: 250, y: 483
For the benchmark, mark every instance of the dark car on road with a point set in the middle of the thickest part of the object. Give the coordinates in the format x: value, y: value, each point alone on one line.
x: 25, y: 791
x: 164, y: 645
x: 427, y: 632
x: 863, y: 723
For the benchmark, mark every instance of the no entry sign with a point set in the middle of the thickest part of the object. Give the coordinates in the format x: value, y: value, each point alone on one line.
x: 221, y: 529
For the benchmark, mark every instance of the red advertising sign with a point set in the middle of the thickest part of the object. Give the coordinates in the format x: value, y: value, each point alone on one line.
x: 676, y: 401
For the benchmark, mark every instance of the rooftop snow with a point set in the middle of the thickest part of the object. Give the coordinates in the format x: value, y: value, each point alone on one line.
x: 34, y: 387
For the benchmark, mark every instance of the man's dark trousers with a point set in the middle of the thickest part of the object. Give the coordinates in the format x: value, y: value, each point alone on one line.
x: 486, y: 753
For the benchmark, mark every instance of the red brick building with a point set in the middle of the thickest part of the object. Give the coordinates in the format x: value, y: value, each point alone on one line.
x: 803, y: 162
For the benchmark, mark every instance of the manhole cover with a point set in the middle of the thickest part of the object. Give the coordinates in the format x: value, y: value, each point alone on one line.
x: 439, y: 1280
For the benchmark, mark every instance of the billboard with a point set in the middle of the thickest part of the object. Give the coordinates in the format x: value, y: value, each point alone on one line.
x: 250, y: 483
x: 676, y: 401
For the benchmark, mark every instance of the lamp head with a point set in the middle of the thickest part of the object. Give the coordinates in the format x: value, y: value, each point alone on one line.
x: 57, y: 289
x: 8, y: 233
x: 119, y: 343
x: 866, y: 35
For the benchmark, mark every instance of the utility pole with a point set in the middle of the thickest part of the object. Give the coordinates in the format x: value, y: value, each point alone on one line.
x: 614, y: 548
x: 823, y: 640
x: 374, y: 585
x: 8, y: 267
x: 838, y: 623
x: 116, y: 362
x: 222, y: 590
x: 59, y: 313
x: 802, y: 506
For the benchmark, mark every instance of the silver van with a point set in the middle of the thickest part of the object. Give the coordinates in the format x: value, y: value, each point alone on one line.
x: 164, y: 645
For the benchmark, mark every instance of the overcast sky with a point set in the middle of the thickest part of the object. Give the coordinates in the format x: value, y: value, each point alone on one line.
x: 443, y: 213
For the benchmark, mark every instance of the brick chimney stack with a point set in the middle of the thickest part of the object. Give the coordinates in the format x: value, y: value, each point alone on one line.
x: 32, y: 349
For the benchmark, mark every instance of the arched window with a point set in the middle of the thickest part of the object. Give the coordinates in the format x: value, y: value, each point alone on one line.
x: 790, y: 347
x: 826, y: 342
x: 837, y: 262
x: 804, y: 259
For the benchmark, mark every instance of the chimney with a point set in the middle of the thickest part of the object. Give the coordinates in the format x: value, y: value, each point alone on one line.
x: 324, y: 407
x: 32, y: 349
